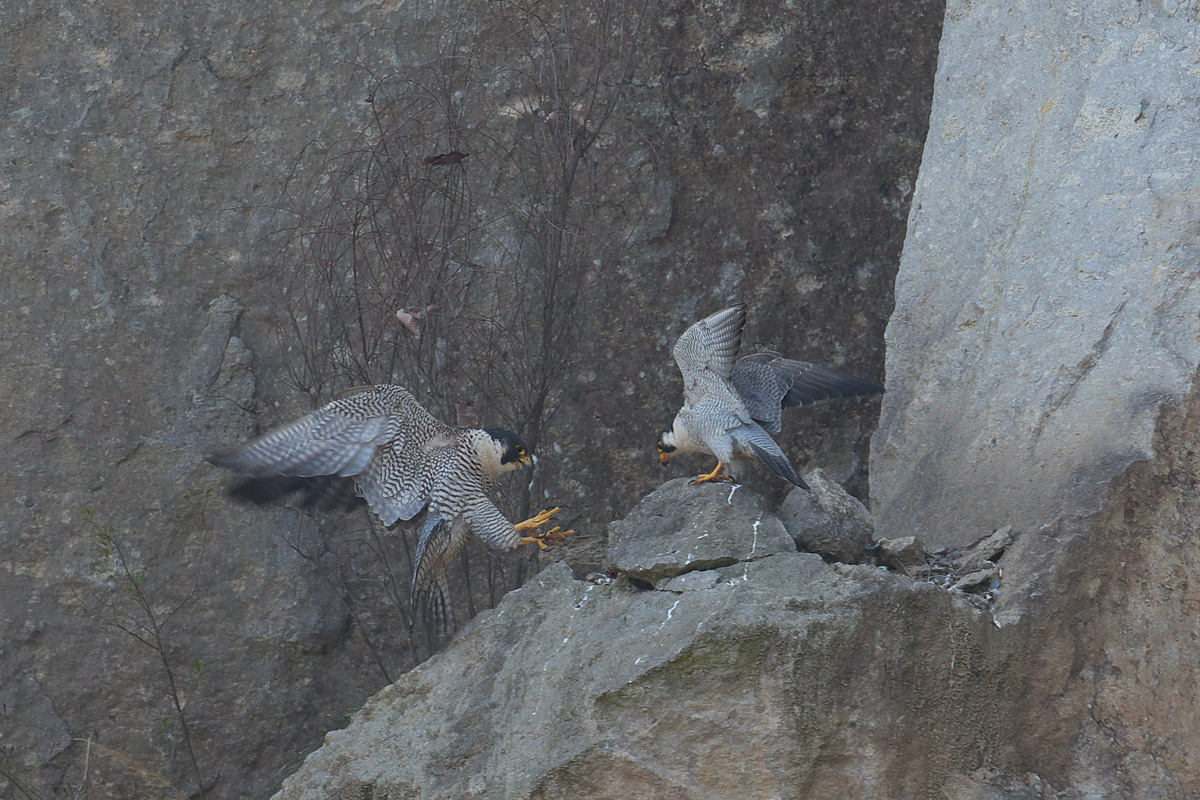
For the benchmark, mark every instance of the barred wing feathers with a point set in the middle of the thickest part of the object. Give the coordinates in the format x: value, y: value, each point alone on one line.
x: 380, y: 434
x: 707, y: 350
x: 769, y: 383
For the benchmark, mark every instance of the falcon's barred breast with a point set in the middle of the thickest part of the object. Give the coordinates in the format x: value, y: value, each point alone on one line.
x: 730, y: 404
x: 403, y: 461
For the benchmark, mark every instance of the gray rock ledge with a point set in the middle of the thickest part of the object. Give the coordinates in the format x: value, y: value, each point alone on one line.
x: 775, y: 675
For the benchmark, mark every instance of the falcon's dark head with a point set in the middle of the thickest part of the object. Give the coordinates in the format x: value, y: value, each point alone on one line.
x: 514, y: 452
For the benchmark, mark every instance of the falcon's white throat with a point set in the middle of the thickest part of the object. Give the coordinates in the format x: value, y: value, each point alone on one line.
x: 680, y: 438
x: 490, y: 453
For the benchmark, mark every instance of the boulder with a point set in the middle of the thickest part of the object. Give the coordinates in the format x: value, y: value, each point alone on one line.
x: 682, y: 528
x: 903, y: 553
x: 774, y: 675
x: 828, y: 520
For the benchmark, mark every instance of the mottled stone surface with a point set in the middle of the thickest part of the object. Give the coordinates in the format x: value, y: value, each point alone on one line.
x: 826, y: 519
x: 140, y: 145
x: 681, y: 528
x: 988, y: 548
x: 902, y: 553
x: 778, y: 677
x: 1102, y: 608
x: 1047, y: 304
x: 154, y: 155
x: 1041, y: 374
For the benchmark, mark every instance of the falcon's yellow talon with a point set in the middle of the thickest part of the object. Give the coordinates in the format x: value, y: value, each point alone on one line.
x: 545, y: 540
x: 538, y: 519
x: 715, y: 476
x: 555, y: 536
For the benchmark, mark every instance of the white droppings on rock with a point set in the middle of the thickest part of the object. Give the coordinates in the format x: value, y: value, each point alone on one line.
x: 670, y: 612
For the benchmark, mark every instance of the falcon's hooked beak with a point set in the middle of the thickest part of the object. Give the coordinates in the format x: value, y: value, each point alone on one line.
x: 526, y: 459
x: 664, y: 452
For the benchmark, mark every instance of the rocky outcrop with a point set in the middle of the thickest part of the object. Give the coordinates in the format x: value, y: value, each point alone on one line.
x: 827, y: 520
x: 1046, y: 306
x: 1041, y: 373
x: 1041, y: 398
x: 674, y: 531
x: 752, y: 673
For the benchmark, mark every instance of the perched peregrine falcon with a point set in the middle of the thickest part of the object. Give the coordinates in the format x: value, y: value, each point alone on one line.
x: 729, y: 404
x: 403, y: 461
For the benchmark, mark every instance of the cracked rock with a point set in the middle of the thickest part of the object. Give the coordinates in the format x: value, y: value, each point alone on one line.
x: 988, y: 548
x: 690, y: 581
x: 570, y: 689
x: 682, y: 528
x: 827, y: 520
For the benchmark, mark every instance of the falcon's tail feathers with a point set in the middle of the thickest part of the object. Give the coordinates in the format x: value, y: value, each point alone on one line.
x: 430, y: 587
x: 423, y: 569
x: 435, y: 598
x: 443, y: 611
x: 769, y: 453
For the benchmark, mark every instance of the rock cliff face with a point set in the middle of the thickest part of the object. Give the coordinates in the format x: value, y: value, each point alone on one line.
x: 140, y: 143
x: 145, y: 152
x: 1040, y: 377
x: 1046, y: 306
x: 1041, y: 363
x: 755, y: 671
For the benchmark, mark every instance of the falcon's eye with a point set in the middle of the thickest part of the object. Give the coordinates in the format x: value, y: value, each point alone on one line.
x: 520, y: 451
x: 659, y: 446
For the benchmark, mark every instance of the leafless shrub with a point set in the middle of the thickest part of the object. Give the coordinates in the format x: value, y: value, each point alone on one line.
x: 154, y: 783
x: 140, y: 597
x: 448, y: 247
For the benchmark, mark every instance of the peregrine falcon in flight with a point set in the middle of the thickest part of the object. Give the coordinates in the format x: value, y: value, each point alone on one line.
x: 730, y: 403
x: 402, y: 461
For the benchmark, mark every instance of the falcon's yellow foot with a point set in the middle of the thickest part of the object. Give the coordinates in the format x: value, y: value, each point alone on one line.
x: 538, y: 520
x: 716, y: 476
x: 544, y: 540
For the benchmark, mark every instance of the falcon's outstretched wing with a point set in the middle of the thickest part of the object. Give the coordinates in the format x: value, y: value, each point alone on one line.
x: 380, y: 434
x: 769, y: 383
x: 707, y: 350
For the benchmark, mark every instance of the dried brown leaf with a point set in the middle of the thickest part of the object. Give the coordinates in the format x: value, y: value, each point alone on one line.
x: 445, y: 159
